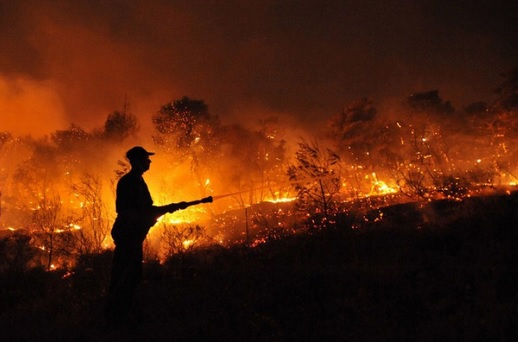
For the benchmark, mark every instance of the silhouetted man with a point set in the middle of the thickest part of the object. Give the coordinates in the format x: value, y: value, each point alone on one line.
x: 136, y: 214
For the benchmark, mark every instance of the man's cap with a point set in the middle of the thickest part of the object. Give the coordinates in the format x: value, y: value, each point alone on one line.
x: 138, y: 153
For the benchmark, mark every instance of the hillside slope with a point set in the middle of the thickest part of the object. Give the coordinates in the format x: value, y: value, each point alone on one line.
x: 448, y: 274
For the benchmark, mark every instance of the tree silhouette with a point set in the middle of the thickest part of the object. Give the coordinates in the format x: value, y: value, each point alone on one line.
x: 120, y: 125
x: 362, y: 137
x: 430, y: 103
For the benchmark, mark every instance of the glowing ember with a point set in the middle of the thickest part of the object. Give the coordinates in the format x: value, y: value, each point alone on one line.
x: 381, y: 188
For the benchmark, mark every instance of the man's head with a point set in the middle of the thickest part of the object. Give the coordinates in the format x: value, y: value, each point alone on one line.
x: 139, y: 158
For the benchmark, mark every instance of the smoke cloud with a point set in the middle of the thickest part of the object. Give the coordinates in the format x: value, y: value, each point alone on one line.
x: 77, y: 61
x: 30, y: 106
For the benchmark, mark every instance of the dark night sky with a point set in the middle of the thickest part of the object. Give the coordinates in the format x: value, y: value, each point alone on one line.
x: 65, y: 62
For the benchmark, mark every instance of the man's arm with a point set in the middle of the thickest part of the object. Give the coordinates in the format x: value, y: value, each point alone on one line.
x: 158, y: 211
x: 172, y: 207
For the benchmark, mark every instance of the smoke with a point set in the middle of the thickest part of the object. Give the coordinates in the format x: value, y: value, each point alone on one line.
x: 30, y: 107
x: 75, y: 62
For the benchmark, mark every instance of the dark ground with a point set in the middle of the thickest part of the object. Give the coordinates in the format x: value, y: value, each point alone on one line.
x: 444, y: 273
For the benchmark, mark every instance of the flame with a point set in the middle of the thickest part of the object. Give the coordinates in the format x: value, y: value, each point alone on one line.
x: 282, y: 200
x: 187, y: 243
x: 181, y: 217
x: 383, y: 189
x: 380, y: 187
x: 358, y: 182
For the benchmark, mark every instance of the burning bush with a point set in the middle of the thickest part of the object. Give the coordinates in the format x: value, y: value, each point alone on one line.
x: 316, y: 177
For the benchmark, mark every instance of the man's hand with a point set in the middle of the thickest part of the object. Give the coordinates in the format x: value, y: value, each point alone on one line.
x: 176, y: 206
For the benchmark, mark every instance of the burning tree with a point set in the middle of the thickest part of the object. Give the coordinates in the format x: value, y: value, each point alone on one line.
x: 421, y: 165
x: 185, y: 130
x: 253, y: 159
x: 249, y: 159
x: 366, y: 141
x: 271, y: 157
x: 51, y: 228
x: 317, y: 180
x: 43, y: 186
x: 355, y: 132
x: 120, y: 125
x: 68, y: 150
x: 13, y: 151
x: 424, y: 166
x: 492, y: 129
x: 505, y: 124
x: 46, y: 217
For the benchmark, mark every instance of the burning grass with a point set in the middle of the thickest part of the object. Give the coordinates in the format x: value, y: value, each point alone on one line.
x: 404, y: 277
